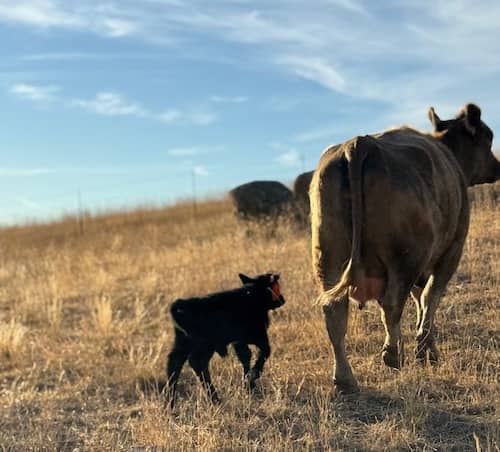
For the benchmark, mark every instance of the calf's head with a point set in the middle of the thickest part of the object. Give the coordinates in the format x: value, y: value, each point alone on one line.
x: 269, y: 285
x: 470, y: 139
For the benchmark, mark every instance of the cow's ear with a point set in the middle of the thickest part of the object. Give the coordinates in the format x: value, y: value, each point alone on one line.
x: 472, y: 117
x: 436, y: 122
x: 276, y: 277
x: 245, y: 279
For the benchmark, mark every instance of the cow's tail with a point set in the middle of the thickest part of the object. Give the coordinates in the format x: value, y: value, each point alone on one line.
x: 355, y: 153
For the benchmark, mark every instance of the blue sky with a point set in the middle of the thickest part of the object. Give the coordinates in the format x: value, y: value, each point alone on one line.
x: 123, y: 101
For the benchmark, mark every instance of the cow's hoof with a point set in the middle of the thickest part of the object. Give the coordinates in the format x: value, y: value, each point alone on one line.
x: 391, y: 358
x: 345, y: 387
x: 426, y: 348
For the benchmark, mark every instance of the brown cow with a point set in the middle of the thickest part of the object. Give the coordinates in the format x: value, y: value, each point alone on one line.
x: 301, y: 196
x: 390, y: 215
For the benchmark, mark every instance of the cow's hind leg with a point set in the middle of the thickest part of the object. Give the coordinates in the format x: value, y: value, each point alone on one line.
x: 336, y: 314
x: 331, y: 238
x: 392, y: 305
x: 416, y: 293
x: 199, y: 360
x: 430, y: 298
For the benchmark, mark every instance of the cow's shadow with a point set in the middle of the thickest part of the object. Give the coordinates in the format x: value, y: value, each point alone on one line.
x: 431, y: 421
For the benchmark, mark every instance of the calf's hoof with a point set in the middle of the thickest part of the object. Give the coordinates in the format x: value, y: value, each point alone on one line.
x: 251, y: 385
x: 251, y: 380
x: 214, y: 398
x: 168, y: 404
x: 391, y: 357
x: 168, y: 398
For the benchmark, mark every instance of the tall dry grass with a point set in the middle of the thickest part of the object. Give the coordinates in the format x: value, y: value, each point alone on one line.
x: 84, y: 332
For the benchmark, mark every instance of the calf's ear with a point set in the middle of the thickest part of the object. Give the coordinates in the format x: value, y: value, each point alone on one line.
x: 435, y: 120
x: 472, y: 117
x: 245, y: 279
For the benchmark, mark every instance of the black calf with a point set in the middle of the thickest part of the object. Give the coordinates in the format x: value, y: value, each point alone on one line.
x: 209, y: 324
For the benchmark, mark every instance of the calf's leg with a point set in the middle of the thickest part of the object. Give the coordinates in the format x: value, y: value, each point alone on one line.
x: 199, y: 360
x: 264, y: 353
x: 244, y: 354
x: 175, y: 360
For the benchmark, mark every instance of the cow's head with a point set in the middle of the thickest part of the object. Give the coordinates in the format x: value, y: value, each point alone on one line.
x: 470, y: 139
x: 269, y: 284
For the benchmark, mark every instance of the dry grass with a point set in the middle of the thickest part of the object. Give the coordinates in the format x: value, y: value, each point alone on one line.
x: 84, y: 334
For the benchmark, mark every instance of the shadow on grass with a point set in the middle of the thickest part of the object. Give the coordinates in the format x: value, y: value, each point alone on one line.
x: 152, y: 386
x: 435, y: 425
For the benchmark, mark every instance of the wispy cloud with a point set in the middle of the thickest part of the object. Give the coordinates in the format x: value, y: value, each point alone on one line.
x: 183, y: 152
x: 26, y: 202
x: 251, y: 27
x: 289, y: 158
x: 174, y: 116
x: 117, y: 28
x: 114, y: 104
x: 34, y: 92
x: 105, y: 20
x: 341, y: 46
x: 40, y: 13
x: 169, y: 116
x: 229, y: 99
x: 314, y: 69
x: 193, y: 150
x: 201, y: 117
x: 349, y: 5
x: 110, y: 104
x: 200, y: 170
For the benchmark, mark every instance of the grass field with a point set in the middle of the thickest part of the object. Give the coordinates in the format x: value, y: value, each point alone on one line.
x: 84, y: 332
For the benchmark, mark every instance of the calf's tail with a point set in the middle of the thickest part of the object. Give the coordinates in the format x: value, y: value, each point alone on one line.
x: 178, y: 316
